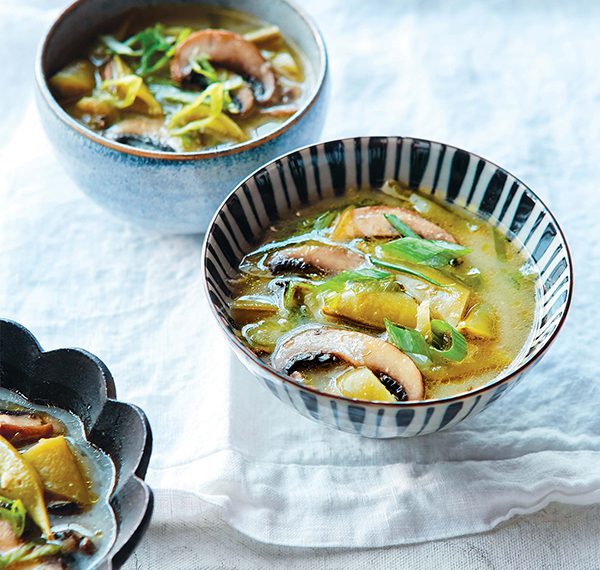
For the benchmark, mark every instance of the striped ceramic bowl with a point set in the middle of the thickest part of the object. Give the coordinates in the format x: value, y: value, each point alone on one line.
x: 310, y: 174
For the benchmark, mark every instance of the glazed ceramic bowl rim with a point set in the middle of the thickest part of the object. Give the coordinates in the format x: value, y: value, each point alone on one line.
x: 272, y: 372
x: 315, y: 92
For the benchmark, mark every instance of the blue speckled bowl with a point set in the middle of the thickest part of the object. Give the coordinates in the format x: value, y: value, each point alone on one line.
x: 170, y: 192
x: 453, y: 175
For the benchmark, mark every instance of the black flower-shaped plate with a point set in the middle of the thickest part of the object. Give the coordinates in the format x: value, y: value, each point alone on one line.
x: 79, y: 382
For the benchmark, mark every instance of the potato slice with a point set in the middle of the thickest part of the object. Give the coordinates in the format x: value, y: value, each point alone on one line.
x: 19, y: 480
x: 480, y: 321
x: 75, y: 80
x: 59, y: 470
x: 362, y: 384
x: 371, y: 308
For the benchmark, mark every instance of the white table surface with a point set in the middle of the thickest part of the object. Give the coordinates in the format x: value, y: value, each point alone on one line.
x: 454, y: 105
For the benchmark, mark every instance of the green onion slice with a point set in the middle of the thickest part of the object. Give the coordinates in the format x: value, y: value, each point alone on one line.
x: 435, y: 253
x: 408, y: 341
x: 447, y: 342
x: 402, y: 269
x: 14, y: 512
x: 295, y: 291
x: 339, y: 281
x: 29, y: 552
x: 120, y: 48
x: 400, y: 226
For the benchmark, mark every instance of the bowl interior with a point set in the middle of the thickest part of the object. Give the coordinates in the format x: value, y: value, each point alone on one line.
x: 308, y: 175
x: 85, y: 19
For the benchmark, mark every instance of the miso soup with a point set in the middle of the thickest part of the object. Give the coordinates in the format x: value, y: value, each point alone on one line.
x: 386, y: 296
x: 54, y: 489
x: 184, y: 79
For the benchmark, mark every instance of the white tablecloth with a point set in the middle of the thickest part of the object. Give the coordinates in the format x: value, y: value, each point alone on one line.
x: 516, y: 83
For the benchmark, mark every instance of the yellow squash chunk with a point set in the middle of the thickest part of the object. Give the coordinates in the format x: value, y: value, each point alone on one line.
x: 75, y: 80
x: 59, y: 469
x: 480, y: 321
x: 19, y: 480
x: 371, y: 308
x: 362, y: 384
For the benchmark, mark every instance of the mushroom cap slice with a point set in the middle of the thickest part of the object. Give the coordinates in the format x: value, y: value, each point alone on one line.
x: 230, y: 50
x: 245, y: 99
x: 325, y: 258
x: 143, y: 132
x: 358, y: 349
x: 370, y: 221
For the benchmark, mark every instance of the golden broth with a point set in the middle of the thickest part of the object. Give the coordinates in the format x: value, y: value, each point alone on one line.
x: 83, y: 87
x: 506, y: 283
x: 96, y: 520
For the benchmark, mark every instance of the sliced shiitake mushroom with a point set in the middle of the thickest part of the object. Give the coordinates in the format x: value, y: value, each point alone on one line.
x: 310, y: 258
x: 396, y: 370
x: 231, y: 51
x: 143, y: 132
x: 370, y: 221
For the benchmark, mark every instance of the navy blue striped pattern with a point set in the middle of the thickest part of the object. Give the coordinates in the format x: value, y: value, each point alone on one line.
x: 308, y: 175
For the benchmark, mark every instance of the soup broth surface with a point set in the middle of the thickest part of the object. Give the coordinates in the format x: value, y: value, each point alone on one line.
x: 127, y: 86
x: 96, y: 520
x: 487, y: 295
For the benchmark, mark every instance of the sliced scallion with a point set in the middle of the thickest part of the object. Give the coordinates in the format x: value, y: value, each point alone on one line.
x: 29, y: 552
x: 447, y: 342
x: 435, y: 253
x: 120, y: 48
x: 338, y: 282
x: 403, y: 229
x: 403, y: 269
x: 407, y: 340
x: 14, y: 512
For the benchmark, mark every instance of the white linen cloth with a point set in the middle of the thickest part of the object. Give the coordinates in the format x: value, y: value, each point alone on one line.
x: 516, y: 83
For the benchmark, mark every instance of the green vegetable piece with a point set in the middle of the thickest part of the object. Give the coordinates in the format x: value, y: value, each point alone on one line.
x: 403, y: 269
x: 339, y: 281
x: 400, y: 226
x: 295, y: 292
x: 201, y: 65
x: 499, y: 245
x: 264, y: 334
x: 325, y: 220
x: 154, y: 46
x: 171, y: 93
x: 29, y: 552
x: 117, y: 47
x: 408, y: 341
x: 447, y: 342
x: 14, y: 512
x: 435, y: 253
